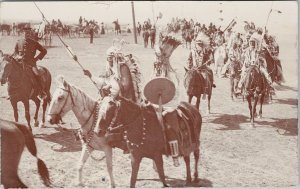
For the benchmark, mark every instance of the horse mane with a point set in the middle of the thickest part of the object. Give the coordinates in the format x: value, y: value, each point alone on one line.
x: 136, y: 78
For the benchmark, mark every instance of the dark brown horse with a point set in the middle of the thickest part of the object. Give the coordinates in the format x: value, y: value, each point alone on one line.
x: 255, y: 86
x: 199, y: 81
x: 143, y: 132
x: 21, y: 87
x: 274, y: 69
x: 14, y: 137
x: 234, y: 73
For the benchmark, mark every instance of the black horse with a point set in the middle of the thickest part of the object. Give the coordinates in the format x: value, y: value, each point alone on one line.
x: 144, y: 136
x: 199, y: 81
x: 22, y: 87
x: 14, y: 137
x: 255, y: 86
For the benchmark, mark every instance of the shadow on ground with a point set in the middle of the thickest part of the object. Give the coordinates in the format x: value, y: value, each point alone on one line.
x: 176, y: 183
x: 64, y: 140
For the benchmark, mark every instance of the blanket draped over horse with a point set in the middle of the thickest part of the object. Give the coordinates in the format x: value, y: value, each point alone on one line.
x: 14, y: 137
x: 22, y: 86
x: 143, y: 133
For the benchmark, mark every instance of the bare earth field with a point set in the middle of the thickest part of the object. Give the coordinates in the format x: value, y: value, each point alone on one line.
x: 232, y: 153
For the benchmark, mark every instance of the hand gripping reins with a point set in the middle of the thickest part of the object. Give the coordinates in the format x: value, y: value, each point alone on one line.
x: 68, y: 48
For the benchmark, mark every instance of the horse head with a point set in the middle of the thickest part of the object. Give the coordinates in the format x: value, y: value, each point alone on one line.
x: 62, y: 101
x: 253, y: 81
x: 234, y: 69
x: 6, y: 66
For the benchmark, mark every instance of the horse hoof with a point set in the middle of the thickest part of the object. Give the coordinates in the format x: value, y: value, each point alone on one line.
x: 36, y: 124
x: 196, y: 180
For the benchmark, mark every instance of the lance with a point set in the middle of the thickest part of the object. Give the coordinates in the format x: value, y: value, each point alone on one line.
x: 229, y: 25
x: 68, y: 48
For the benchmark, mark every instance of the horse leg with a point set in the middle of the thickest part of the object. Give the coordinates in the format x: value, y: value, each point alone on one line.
x: 196, y: 156
x: 250, y: 106
x: 208, y: 103
x: 254, y: 110
x: 83, y: 157
x: 198, y: 102
x: 27, y: 113
x: 261, y: 104
x: 15, y: 108
x: 135, y: 165
x: 232, y: 87
x: 160, y: 168
x: 188, y: 170
x: 37, y: 108
x: 45, y: 103
x: 108, y: 154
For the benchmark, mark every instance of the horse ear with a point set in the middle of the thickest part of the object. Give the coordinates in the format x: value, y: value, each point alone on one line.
x: 60, y: 79
x: 186, y: 70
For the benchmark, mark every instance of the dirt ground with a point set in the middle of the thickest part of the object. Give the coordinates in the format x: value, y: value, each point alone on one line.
x: 233, y: 154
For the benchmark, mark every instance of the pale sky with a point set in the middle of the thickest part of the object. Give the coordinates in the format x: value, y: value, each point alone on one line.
x: 204, y: 12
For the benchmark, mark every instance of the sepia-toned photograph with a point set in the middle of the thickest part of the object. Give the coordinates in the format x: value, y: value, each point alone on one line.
x: 149, y: 94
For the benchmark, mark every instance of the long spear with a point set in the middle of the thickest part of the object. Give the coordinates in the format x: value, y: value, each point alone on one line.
x: 68, y: 48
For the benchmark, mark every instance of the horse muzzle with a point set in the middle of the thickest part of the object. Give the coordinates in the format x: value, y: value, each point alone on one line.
x: 54, y: 119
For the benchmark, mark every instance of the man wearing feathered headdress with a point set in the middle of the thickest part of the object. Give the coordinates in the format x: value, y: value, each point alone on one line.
x: 201, y: 55
x: 251, y: 57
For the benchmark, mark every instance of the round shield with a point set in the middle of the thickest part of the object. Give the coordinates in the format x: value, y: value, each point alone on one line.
x: 159, y: 86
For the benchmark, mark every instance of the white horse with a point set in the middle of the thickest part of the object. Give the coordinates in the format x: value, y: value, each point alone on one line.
x: 219, y: 57
x: 66, y: 98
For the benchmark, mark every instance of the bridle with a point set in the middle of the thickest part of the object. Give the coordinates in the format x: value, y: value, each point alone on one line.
x: 65, y: 103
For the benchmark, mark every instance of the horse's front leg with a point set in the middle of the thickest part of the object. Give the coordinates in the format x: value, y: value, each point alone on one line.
x: 37, y: 108
x: 254, y: 110
x: 198, y: 102
x: 135, y: 165
x: 160, y: 168
x: 208, y: 103
x: 261, y: 104
x: 196, y: 156
x: 85, y: 153
x: 108, y: 155
x: 14, y: 104
x: 45, y: 103
x: 250, y: 106
x: 27, y: 113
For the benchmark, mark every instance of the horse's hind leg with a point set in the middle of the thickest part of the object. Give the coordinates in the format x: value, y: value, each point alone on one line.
x: 15, y: 108
x: 27, y: 113
x: 198, y: 102
x: 188, y: 170
x: 108, y: 154
x: 45, y: 103
x: 196, y: 156
x: 37, y: 108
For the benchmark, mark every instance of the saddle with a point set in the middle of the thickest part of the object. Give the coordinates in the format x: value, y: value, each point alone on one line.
x: 181, y: 126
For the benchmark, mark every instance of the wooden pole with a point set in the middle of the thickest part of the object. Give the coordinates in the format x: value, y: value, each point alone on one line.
x: 134, y: 26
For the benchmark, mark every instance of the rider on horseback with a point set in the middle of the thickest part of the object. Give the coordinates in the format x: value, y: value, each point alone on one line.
x: 234, y: 57
x: 201, y: 55
x: 25, y: 51
x: 252, y: 58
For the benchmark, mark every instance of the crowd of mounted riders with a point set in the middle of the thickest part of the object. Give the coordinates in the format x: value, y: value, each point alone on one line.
x: 236, y: 45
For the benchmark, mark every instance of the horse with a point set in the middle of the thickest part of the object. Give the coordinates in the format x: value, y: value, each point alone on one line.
x: 146, y: 35
x: 22, y: 87
x: 14, y: 137
x: 255, y: 86
x: 144, y: 135
x: 274, y: 69
x: 5, y: 27
x: 234, y: 72
x: 198, y: 81
x: 66, y: 98
x: 117, y: 28
x: 220, y: 57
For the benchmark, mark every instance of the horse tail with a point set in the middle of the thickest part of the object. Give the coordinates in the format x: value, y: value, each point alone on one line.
x: 30, y: 144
